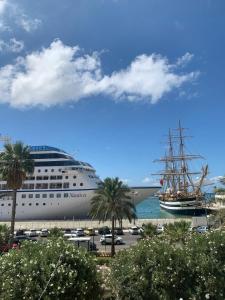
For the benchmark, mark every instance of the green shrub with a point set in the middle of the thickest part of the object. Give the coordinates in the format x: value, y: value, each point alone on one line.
x: 149, y: 230
x: 177, y: 231
x: 157, y: 269
x: 4, y: 234
x: 55, y: 232
x: 24, y: 273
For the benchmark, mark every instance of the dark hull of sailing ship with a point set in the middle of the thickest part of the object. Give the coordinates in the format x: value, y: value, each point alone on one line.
x: 188, y: 206
x: 180, y: 193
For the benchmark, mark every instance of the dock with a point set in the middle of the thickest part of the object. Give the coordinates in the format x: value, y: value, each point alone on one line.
x: 40, y: 224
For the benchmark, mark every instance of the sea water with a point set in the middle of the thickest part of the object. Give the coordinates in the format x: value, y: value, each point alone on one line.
x: 150, y: 209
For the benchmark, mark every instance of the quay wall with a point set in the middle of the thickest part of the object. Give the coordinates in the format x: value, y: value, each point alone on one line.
x: 86, y: 223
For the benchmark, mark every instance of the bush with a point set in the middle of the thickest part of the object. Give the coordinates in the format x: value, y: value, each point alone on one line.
x: 149, y: 230
x: 156, y: 269
x: 4, y: 234
x: 177, y: 231
x: 24, y: 273
x: 55, y: 232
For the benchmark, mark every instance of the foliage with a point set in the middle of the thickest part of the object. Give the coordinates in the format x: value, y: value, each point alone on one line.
x: 112, y: 202
x: 4, y: 234
x: 217, y: 219
x: 55, y: 232
x: 156, y: 269
x: 15, y: 163
x: 25, y: 272
x: 219, y: 191
x: 177, y: 231
x: 149, y: 230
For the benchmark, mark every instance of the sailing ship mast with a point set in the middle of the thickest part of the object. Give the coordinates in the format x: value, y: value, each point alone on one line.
x: 178, y: 177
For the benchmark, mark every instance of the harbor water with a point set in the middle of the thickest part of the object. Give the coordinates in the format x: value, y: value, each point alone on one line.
x: 150, y: 209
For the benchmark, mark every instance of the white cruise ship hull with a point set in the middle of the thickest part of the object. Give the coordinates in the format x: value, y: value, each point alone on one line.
x: 60, y: 187
x: 75, y: 206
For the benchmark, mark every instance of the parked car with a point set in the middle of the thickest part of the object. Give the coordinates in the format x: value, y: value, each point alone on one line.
x: 107, y: 239
x: 79, y: 232
x: 89, y: 231
x: 19, y: 232
x: 134, y: 230
x: 119, y: 231
x: 159, y: 228
x: 202, y: 229
x: 67, y: 230
x: 31, y: 233
x: 44, y: 232
x: 104, y: 230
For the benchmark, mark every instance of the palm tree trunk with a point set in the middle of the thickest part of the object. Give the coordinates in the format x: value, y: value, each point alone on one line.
x: 113, y: 237
x: 13, y: 216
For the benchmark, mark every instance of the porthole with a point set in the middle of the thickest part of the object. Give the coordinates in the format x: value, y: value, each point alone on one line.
x: 44, y: 203
x: 23, y: 204
x: 37, y: 204
x: 74, y: 184
x: 81, y: 184
x: 9, y: 204
x: 74, y: 177
x: 2, y: 204
x: 30, y: 204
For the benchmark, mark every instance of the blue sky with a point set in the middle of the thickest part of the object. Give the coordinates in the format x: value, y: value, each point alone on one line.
x: 105, y: 80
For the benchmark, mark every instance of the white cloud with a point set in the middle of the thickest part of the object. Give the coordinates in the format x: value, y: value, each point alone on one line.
x: 3, y: 4
x: 61, y: 73
x: 185, y: 59
x: 125, y: 180
x: 12, y: 46
x: 28, y: 24
x: 146, y: 180
x: 12, y: 13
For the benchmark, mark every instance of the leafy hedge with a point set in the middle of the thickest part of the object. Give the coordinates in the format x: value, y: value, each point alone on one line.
x: 24, y: 273
x: 157, y: 269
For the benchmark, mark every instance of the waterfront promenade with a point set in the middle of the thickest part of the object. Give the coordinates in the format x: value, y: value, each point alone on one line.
x: 85, y: 223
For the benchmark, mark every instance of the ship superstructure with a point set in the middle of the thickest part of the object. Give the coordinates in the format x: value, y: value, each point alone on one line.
x: 61, y: 187
x: 181, y: 193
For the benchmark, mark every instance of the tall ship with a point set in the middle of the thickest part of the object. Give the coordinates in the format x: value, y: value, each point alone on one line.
x: 181, y: 193
x: 61, y: 187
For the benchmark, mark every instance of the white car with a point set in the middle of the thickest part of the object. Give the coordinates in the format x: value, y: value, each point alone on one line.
x: 44, y: 232
x: 107, y: 239
x: 159, y: 228
x: 134, y: 230
x: 202, y: 229
x: 79, y: 232
x: 31, y: 233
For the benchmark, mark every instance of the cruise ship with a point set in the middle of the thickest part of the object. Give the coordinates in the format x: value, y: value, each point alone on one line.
x: 61, y: 187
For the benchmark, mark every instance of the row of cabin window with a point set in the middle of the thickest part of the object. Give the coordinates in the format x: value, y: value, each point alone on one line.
x: 65, y: 195
x: 60, y: 170
x: 59, y: 177
x: 23, y: 204
x: 39, y: 186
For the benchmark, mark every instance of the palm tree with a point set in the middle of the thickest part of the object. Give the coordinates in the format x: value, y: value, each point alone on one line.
x: 112, y: 202
x: 178, y: 231
x: 15, y: 163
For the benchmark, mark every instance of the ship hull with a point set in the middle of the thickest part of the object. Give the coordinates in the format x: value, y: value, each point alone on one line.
x: 75, y: 206
x: 188, y: 207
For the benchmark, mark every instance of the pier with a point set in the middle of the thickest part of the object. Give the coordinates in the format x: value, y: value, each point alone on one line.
x: 39, y: 224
